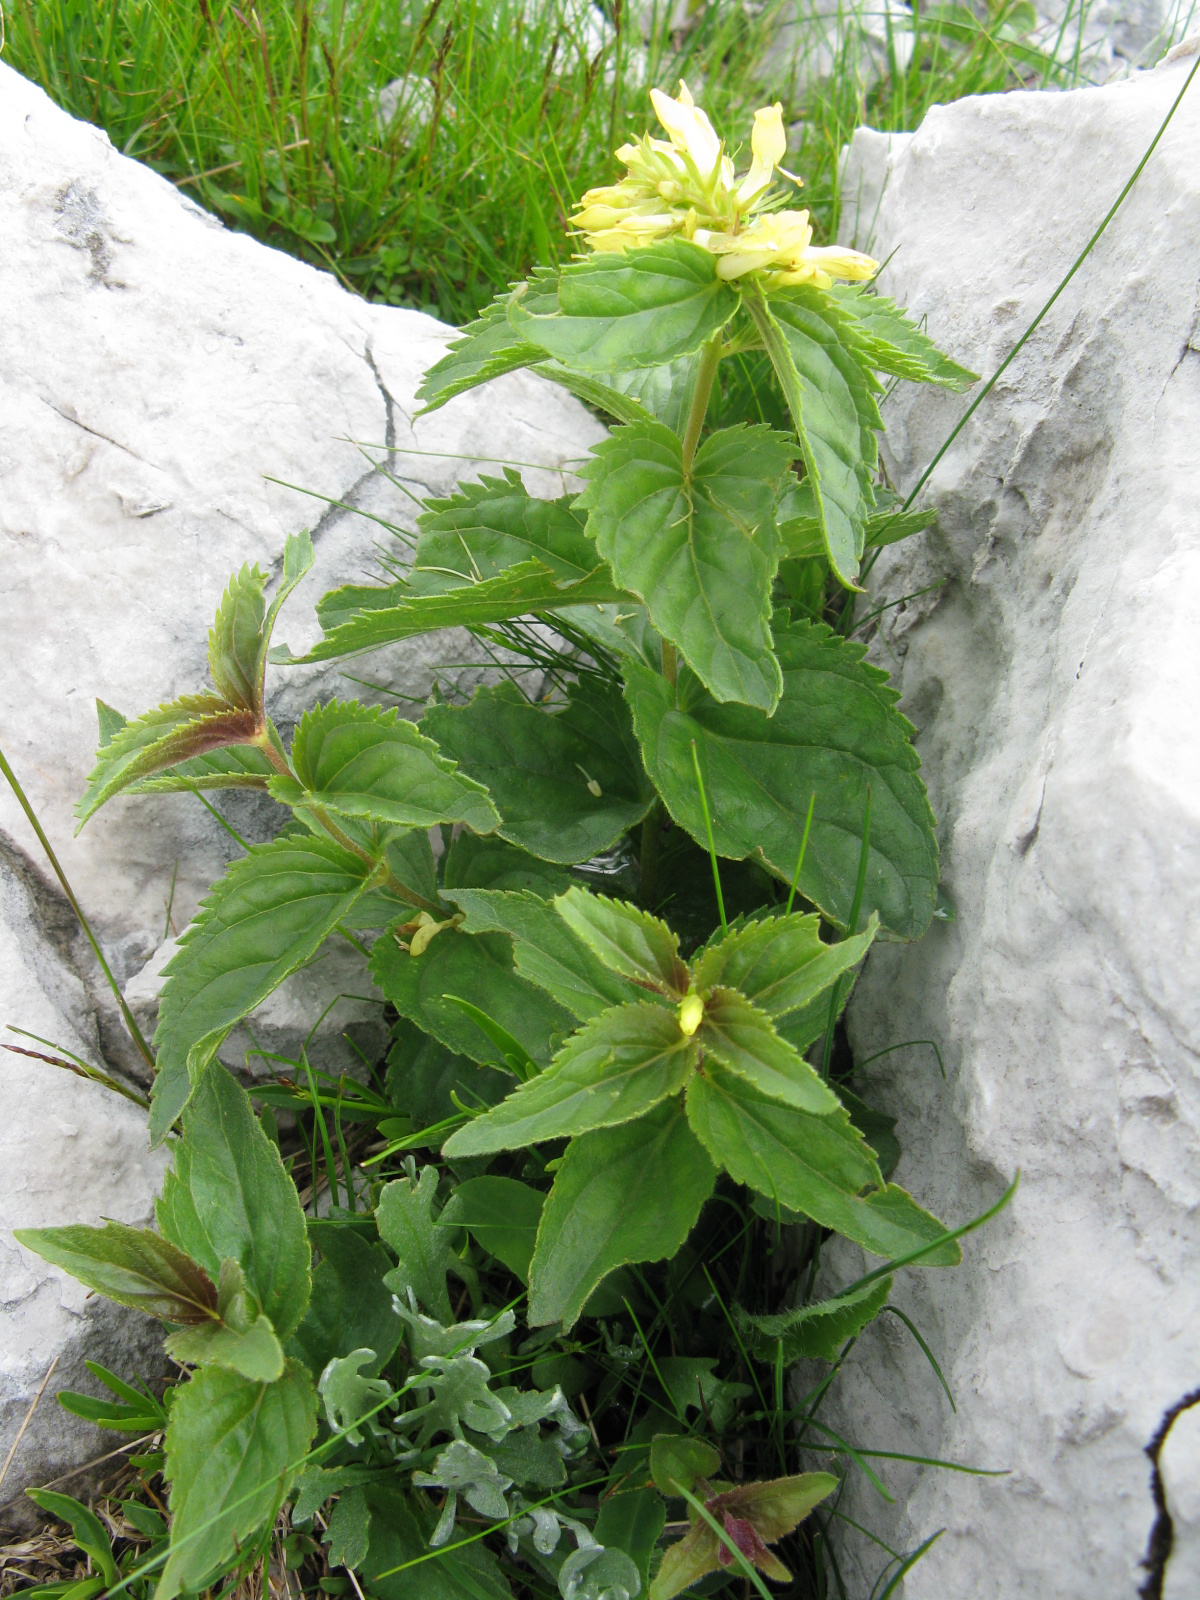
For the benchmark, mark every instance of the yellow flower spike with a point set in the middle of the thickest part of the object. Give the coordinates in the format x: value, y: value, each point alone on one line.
x: 768, y: 145
x: 691, y: 1014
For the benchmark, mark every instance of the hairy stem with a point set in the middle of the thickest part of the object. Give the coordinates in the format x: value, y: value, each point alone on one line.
x: 651, y: 842
x: 710, y: 360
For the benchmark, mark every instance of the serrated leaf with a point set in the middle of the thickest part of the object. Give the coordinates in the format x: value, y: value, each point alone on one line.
x: 241, y: 634
x: 628, y: 940
x: 182, y: 731
x: 819, y: 1329
x: 478, y: 965
x: 254, y: 1352
x: 492, y: 864
x: 229, y: 1198
x: 740, y: 1036
x: 488, y: 527
x: 259, y: 923
x: 781, y: 963
x: 545, y: 949
x: 501, y: 1215
x: 409, y: 858
x: 406, y: 1221
x: 816, y: 1165
x: 616, y: 1068
x: 422, y: 1075
x: 813, y: 1164
x: 699, y: 547
x: 233, y: 1451
x: 543, y: 768
x: 610, y: 1206
x: 486, y: 348
x: 401, y: 613
x: 890, y: 341
x: 368, y: 763
x: 826, y: 420
x: 595, y: 390
x: 231, y: 766
x: 349, y: 1307
x: 836, y: 730
x: 889, y: 527
x: 640, y: 308
x: 132, y: 1266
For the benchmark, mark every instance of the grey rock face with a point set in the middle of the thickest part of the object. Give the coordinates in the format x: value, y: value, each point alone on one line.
x: 1052, y: 681
x: 157, y: 369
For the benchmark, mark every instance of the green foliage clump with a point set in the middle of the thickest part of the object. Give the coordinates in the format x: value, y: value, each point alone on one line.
x: 623, y: 1096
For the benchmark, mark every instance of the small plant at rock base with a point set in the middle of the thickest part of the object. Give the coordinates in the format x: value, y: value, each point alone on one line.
x: 616, y: 1093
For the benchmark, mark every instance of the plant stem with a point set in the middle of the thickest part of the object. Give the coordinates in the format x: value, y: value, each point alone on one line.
x: 710, y: 360
x: 670, y: 662
x: 651, y: 841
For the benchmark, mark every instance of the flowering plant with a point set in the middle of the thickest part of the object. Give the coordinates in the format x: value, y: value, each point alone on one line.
x: 602, y: 1079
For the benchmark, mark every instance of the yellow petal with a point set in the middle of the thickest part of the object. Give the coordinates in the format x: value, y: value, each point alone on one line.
x: 692, y: 134
x: 768, y: 142
x: 841, y: 263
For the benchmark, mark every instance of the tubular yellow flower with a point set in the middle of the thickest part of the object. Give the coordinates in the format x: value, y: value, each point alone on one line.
x: 692, y: 134
x: 768, y: 145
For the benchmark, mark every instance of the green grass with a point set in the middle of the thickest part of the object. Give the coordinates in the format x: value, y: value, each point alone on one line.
x: 269, y: 114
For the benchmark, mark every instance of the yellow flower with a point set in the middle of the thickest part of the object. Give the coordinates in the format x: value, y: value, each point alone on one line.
x: 778, y: 244
x: 687, y: 187
x: 768, y: 145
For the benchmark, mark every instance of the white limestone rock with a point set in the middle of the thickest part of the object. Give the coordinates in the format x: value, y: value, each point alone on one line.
x: 1052, y: 681
x: 156, y: 369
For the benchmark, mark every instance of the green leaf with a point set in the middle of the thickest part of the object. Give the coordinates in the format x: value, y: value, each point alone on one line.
x: 254, y: 1352
x: 349, y: 1530
x: 478, y: 965
x: 740, y: 1036
x: 132, y: 1266
x: 568, y: 783
x: 241, y: 635
x: 812, y: 373
x: 89, y: 1532
x: 229, y: 1198
x: 819, y: 1329
x: 406, y: 1221
x: 878, y: 1129
x: 492, y: 864
x: 676, y: 1461
x: 597, y: 391
x: 664, y: 392
x: 836, y: 731
x: 545, y: 949
x: 691, y: 1384
x: 699, y: 548
x: 781, y: 963
x: 369, y: 763
x: 501, y: 1215
x: 410, y: 860
x: 350, y: 1307
x: 813, y: 1164
x: 488, y: 347
x: 399, y: 612
x: 182, y: 732
x: 591, y: 1572
x: 394, y: 1568
x: 889, y: 527
x: 233, y: 1451
x: 628, y: 940
x: 816, y: 1165
x: 488, y: 527
x: 639, y: 308
x: 263, y: 920
x: 890, y: 341
x: 422, y: 1074
x: 610, y: 1206
x: 613, y: 1070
